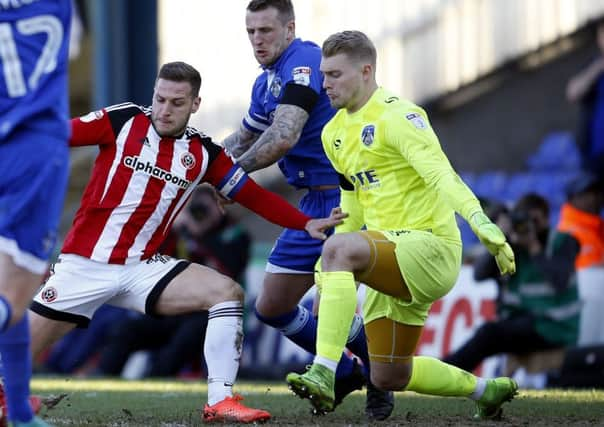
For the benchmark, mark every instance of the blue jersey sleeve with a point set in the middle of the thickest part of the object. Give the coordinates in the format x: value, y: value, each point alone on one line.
x: 257, y: 118
x: 295, y: 79
x: 303, y: 68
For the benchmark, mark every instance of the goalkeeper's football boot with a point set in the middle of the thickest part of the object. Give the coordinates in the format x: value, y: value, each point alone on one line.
x: 316, y: 385
x: 34, y: 401
x: 231, y: 410
x: 379, y: 403
x: 498, y: 391
x: 346, y: 385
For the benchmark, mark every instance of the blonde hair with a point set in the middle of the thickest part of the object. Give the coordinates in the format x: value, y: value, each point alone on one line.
x: 354, y: 44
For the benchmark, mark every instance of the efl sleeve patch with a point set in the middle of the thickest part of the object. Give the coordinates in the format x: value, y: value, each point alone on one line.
x: 301, y: 75
x: 232, y: 182
x: 417, y: 121
x: 94, y: 115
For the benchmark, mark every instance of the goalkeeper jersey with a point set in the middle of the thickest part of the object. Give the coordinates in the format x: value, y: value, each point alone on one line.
x: 396, y: 174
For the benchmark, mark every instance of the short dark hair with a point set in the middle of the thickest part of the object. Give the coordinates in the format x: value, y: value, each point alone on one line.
x: 284, y: 7
x: 181, y: 72
x: 355, y: 44
x: 531, y: 201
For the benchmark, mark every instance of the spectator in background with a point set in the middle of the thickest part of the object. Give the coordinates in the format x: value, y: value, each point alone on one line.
x: 580, y: 216
x: 539, y: 308
x: 212, y: 237
x: 587, y: 89
x: 203, y: 234
x: 583, y: 366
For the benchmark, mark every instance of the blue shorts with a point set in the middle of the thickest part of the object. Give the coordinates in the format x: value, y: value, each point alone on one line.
x: 295, y: 251
x: 33, y: 180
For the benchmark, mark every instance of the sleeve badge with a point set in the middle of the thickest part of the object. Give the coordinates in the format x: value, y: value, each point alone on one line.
x: 417, y: 121
x: 301, y: 75
x: 92, y: 116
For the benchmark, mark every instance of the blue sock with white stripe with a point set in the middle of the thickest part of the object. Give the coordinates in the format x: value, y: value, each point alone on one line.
x: 357, y: 341
x: 300, y: 326
x: 16, y: 361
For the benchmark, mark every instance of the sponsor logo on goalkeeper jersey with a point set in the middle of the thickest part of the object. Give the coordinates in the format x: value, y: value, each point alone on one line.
x: 150, y: 169
x: 365, y: 179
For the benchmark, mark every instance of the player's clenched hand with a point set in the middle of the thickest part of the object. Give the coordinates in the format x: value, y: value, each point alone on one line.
x: 316, y: 227
x: 493, y: 238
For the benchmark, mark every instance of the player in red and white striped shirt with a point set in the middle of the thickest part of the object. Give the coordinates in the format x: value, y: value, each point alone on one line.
x: 149, y: 163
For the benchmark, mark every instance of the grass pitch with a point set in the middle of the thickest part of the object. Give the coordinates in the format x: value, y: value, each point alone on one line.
x: 101, y: 402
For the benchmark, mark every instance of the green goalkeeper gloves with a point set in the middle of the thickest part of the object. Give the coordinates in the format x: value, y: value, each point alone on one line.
x: 493, y: 238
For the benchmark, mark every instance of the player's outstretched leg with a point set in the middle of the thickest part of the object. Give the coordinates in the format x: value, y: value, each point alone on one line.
x: 497, y: 392
x: 316, y: 385
x: 434, y: 377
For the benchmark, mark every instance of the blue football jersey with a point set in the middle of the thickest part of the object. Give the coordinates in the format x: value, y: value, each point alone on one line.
x: 34, y: 43
x: 305, y: 165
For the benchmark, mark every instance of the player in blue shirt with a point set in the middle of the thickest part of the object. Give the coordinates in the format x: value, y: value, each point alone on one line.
x: 288, y: 110
x: 34, y: 161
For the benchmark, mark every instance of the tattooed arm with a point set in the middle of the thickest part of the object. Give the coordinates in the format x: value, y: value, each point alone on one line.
x: 240, y: 141
x: 276, y: 140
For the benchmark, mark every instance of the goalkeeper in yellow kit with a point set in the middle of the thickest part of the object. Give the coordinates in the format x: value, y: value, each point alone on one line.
x: 397, y: 182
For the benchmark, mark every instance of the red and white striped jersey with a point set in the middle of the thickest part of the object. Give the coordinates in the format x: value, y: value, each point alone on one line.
x: 140, y: 181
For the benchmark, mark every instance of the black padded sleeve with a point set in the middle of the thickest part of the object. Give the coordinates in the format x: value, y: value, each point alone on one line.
x: 300, y: 96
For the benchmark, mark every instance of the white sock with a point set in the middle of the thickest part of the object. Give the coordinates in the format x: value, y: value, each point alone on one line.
x: 297, y: 323
x: 328, y: 363
x: 481, y: 386
x: 222, y: 348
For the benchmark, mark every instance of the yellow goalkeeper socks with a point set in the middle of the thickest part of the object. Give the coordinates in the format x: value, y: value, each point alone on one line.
x: 434, y: 377
x: 336, y: 311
